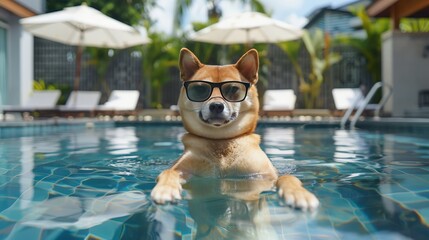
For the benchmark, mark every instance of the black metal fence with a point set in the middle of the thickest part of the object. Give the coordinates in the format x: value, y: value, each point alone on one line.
x: 55, y: 63
x: 351, y: 71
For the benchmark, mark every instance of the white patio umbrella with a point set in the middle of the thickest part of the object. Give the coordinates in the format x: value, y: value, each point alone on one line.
x: 83, y: 26
x: 247, y: 28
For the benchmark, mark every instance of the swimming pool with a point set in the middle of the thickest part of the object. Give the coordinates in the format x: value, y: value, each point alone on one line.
x: 93, y: 183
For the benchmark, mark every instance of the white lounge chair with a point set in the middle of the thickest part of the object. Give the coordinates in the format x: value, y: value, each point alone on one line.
x: 80, y: 103
x: 120, y: 101
x: 279, y: 102
x: 38, y: 101
x: 344, y: 98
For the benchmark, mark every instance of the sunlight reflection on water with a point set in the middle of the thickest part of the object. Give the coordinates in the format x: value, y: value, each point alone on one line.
x: 96, y: 182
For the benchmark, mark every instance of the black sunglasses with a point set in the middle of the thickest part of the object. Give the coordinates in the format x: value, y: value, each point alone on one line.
x: 200, y: 91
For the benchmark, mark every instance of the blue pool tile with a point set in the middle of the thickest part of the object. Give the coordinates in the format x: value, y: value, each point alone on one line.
x: 126, y: 185
x: 90, y: 192
x: 414, y: 184
x: 3, y: 171
x: 352, y: 226
x: 40, y: 194
x: 47, y: 186
x: 6, y: 202
x: 144, y: 186
x: 10, y: 189
x: 424, y: 213
x: 321, y: 229
x: 100, y: 183
x: 52, y: 178
x: 28, y: 233
x: 69, y: 182
x: 63, y: 190
x: 295, y: 236
x: 339, y: 216
x: 358, y: 197
x: 5, y: 227
x: 393, y: 187
x: 107, y: 230
x: 406, y: 197
x: 60, y: 234
x: 415, y: 171
x: 51, y: 234
x: 424, y: 194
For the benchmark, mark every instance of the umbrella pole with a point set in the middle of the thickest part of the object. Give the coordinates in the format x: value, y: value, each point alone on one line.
x: 248, y: 43
x: 78, y: 67
x: 79, y: 51
x: 76, y: 83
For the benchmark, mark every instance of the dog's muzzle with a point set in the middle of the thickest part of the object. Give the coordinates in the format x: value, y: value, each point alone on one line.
x: 217, y: 113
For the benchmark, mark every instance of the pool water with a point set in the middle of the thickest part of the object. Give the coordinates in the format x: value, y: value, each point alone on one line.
x: 95, y: 183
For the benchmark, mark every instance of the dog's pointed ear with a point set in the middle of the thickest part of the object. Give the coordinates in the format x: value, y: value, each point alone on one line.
x: 248, y: 65
x: 188, y: 64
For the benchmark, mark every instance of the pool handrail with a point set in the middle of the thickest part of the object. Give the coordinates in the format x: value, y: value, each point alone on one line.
x: 364, y: 105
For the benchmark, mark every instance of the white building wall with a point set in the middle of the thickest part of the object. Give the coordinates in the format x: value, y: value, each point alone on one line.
x: 20, y: 82
x: 406, y: 69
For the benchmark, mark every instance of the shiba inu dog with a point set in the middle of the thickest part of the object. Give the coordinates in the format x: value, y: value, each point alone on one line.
x: 219, y: 108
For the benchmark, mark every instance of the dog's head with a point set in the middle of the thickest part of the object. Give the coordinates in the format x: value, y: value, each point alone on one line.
x: 219, y: 102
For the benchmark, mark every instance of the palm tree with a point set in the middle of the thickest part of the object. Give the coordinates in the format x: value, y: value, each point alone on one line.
x: 214, y: 12
x: 159, y: 57
x: 370, y: 46
x: 318, y: 46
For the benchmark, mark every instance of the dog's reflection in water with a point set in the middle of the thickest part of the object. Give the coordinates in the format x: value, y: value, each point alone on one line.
x: 230, y: 208
x: 225, y: 209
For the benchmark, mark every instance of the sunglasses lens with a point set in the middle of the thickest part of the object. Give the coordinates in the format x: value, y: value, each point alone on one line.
x: 198, y: 91
x: 234, y: 91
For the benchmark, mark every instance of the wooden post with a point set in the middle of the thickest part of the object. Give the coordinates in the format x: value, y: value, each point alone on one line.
x: 395, y: 19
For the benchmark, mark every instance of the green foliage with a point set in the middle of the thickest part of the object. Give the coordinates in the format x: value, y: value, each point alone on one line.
x: 255, y: 5
x: 162, y: 53
x: 183, y: 5
x: 370, y: 46
x: 318, y: 45
x: 159, y: 57
x: 414, y: 25
x: 129, y: 12
x: 101, y: 59
x: 40, y: 85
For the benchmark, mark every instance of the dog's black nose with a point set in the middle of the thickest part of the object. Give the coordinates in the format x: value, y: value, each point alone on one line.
x: 216, y: 107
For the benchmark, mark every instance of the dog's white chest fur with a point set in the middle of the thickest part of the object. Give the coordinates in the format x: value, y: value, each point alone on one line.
x: 235, y: 157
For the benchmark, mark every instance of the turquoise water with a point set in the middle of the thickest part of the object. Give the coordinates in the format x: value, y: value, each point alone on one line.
x: 78, y: 183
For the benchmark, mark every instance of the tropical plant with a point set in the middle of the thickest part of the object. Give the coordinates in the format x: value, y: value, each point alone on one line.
x: 132, y: 12
x: 101, y: 60
x: 370, y: 46
x: 129, y: 12
x: 318, y: 45
x: 159, y: 57
x: 414, y: 25
x: 213, y: 10
x: 40, y: 85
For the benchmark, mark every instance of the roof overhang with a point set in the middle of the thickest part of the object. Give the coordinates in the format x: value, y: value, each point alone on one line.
x: 399, y: 8
x: 16, y: 8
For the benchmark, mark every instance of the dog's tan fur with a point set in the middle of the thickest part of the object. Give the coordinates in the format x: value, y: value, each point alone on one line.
x: 228, y: 147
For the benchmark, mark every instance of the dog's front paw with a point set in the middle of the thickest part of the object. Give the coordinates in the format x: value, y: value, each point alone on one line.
x: 299, y: 197
x: 290, y: 189
x: 162, y: 194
